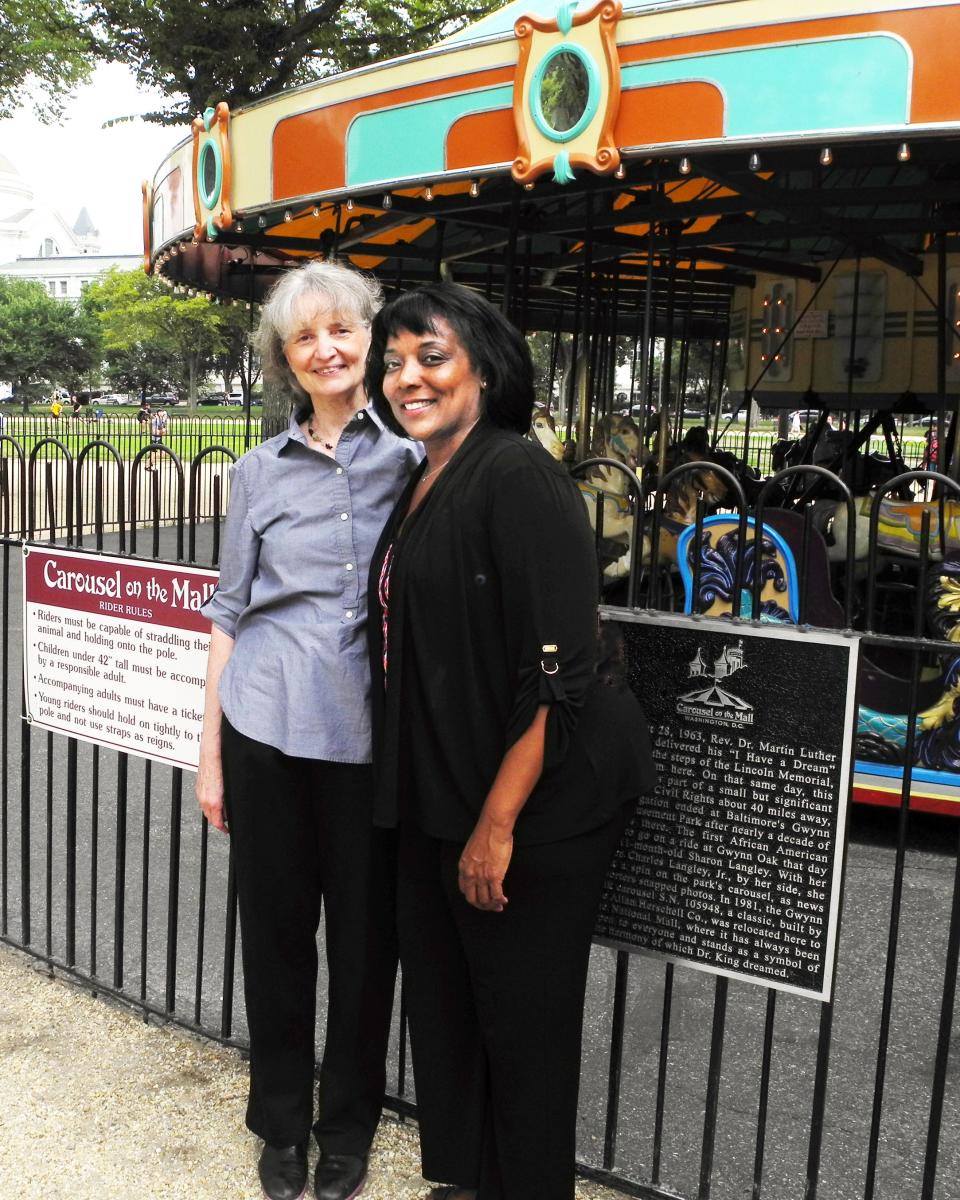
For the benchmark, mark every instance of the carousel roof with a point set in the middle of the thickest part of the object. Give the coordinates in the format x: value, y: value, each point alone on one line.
x: 715, y: 138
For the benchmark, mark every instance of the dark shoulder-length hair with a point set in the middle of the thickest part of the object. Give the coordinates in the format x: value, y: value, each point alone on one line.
x: 497, y: 350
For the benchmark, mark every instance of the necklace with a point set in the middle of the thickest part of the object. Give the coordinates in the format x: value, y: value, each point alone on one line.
x: 318, y: 437
x: 433, y: 471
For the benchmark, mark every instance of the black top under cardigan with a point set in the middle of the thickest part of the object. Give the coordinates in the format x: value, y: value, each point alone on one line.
x: 496, y: 564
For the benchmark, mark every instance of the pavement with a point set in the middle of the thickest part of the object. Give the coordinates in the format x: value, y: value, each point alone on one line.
x: 97, y: 1104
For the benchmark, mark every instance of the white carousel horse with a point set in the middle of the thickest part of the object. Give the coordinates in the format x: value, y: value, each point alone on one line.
x: 544, y: 429
x: 899, y: 526
x: 616, y: 437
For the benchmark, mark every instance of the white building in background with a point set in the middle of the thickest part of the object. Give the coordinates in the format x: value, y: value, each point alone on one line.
x: 37, y: 243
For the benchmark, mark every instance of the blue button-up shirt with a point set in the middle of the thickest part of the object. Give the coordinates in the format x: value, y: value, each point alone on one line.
x: 299, y: 534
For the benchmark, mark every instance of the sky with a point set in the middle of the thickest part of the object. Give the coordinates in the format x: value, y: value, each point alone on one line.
x: 79, y: 163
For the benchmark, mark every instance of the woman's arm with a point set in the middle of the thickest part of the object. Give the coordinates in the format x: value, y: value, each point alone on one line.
x: 210, y: 770
x: 486, y: 856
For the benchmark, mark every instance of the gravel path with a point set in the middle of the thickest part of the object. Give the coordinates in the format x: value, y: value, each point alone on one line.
x: 95, y: 1104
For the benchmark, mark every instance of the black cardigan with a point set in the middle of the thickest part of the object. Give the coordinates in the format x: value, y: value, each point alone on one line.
x: 496, y: 566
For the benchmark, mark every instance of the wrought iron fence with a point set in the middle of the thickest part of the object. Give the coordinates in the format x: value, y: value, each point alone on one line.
x: 692, y: 1085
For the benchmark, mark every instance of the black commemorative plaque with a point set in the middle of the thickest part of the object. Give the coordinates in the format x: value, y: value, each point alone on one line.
x: 734, y: 864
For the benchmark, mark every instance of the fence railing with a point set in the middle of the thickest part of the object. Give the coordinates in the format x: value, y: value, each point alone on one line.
x: 692, y: 1085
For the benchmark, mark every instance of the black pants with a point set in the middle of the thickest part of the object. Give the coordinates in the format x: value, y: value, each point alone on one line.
x: 495, y: 1003
x: 302, y: 831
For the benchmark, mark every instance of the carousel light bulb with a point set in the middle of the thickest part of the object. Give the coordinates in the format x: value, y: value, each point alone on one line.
x: 903, y: 152
x: 474, y: 188
x: 620, y: 172
x: 387, y: 201
x: 685, y: 166
x: 428, y: 192
x: 528, y: 187
x: 238, y: 227
x: 754, y: 161
x: 763, y: 358
x: 350, y: 204
x: 261, y: 221
x: 316, y: 211
x: 288, y: 215
x: 826, y: 157
x: 765, y: 331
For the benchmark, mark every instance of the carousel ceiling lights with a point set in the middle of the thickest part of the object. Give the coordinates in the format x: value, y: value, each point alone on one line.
x: 620, y: 172
x: 428, y: 192
x: 826, y: 157
x: 387, y: 201
x: 903, y: 152
x: 350, y: 204
x: 474, y: 188
x: 754, y: 163
x: 685, y: 166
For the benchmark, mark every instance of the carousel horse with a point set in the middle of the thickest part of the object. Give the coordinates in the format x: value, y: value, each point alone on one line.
x: 899, y: 526
x: 544, y: 429
x: 607, y: 489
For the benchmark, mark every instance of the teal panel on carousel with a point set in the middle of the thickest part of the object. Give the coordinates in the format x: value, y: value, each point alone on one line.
x: 842, y: 83
x: 410, y: 141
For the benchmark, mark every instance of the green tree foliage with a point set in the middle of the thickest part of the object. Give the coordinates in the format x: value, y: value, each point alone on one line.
x: 236, y: 359
x: 152, y: 338
x: 46, y: 50
x: 44, y: 343
x: 198, y: 52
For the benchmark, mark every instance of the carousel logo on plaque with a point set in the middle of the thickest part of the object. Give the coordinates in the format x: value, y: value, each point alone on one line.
x: 715, y: 704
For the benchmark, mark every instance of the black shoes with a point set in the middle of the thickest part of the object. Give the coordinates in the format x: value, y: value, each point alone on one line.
x: 340, y: 1176
x: 283, y: 1172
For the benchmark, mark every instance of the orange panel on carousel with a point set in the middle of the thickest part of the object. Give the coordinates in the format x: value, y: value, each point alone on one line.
x: 675, y: 112
x: 494, y: 131
x: 309, y: 149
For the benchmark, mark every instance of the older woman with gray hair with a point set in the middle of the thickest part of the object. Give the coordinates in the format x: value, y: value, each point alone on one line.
x: 285, y: 751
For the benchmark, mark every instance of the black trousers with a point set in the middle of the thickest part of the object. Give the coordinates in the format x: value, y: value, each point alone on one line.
x: 495, y: 1004
x: 302, y: 837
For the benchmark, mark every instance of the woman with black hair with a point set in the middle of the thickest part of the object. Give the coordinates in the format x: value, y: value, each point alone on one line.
x: 507, y: 765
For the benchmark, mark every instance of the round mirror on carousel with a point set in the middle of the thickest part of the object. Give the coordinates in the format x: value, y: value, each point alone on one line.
x: 564, y: 93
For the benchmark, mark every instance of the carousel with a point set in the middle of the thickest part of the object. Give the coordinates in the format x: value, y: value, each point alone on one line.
x: 771, y: 193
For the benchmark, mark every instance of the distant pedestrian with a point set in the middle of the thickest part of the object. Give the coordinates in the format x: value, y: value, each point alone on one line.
x: 144, y: 414
x: 77, y: 407
x: 158, y: 431
x: 56, y: 408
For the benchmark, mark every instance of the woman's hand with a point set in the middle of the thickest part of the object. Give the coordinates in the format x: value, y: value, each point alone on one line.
x: 483, y: 865
x: 209, y: 789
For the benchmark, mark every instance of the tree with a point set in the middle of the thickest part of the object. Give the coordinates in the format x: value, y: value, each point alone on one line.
x: 46, y: 50
x: 44, y: 343
x: 151, y: 337
x: 235, y: 358
x: 197, y: 52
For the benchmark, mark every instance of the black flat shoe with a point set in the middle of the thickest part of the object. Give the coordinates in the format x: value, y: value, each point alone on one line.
x: 340, y: 1176
x: 283, y: 1172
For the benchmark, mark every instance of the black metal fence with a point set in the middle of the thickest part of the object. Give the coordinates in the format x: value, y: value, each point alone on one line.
x: 692, y: 1085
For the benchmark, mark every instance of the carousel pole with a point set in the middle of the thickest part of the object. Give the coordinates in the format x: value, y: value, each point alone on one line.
x: 555, y: 343
x: 570, y: 383
x: 614, y: 339
x: 947, y: 462
x: 440, y: 228
x: 665, y: 362
x: 633, y: 362
x: 721, y: 372
x: 646, y: 345
x: 855, y: 317
x: 684, y: 363
x: 585, y: 388
x: 510, y: 261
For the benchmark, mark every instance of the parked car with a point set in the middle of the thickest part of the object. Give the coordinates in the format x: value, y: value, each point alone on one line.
x: 112, y: 398
x: 162, y: 400
x: 211, y: 398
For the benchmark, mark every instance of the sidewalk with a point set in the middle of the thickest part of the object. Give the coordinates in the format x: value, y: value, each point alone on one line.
x: 97, y: 1105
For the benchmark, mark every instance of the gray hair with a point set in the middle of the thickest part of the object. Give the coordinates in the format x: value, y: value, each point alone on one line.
x: 313, y: 288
